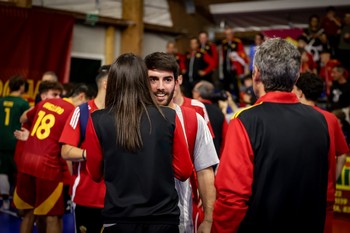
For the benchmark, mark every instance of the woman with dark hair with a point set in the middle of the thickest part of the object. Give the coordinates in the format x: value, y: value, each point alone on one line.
x: 138, y: 148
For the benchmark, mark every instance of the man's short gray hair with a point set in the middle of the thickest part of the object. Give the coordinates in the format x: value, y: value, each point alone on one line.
x: 278, y: 62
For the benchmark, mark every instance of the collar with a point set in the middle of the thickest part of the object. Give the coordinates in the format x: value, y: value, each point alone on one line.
x: 68, y: 100
x: 278, y: 97
x: 206, y: 101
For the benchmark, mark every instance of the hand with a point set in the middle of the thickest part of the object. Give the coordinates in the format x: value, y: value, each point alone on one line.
x: 201, y: 73
x: 22, y: 134
x: 205, y: 227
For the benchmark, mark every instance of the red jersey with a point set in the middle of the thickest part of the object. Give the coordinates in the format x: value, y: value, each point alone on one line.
x: 200, y: 109
x: 42, y: 152
x: 337, y: 147
x: 85, y: 191
x: 19, y: 150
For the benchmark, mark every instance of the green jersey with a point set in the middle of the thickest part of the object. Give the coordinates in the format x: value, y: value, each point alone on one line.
x: 11, y: 109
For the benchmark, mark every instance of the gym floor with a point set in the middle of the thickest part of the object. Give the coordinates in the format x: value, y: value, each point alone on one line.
x: 10, y: 222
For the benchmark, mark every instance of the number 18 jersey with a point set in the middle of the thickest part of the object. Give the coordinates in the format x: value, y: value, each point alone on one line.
x: 42, y: 152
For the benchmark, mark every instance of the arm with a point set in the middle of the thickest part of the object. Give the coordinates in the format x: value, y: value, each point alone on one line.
x: 207, y: 193
x: 70, y: 138
x: 94, y: 157
x: 24, y: 116
x: 340, y: 164
x: 233, y: 180
x: 342, y: 149
x: 211, y: 64
x: 204, y: 158
x: 182, y: 163
x: 72, y: 153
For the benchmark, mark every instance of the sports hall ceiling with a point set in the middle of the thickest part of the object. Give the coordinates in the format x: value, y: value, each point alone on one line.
x: 244, y: 15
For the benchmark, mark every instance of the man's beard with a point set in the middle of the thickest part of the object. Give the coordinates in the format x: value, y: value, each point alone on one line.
x: 168, y: 100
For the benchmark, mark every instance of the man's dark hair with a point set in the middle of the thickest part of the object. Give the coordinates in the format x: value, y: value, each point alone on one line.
x: 45, y: 86
x: 16, y: 82
x: 162, y: 61
x: 102, y: 73
x: 311, y: 85
x: 81, y: 88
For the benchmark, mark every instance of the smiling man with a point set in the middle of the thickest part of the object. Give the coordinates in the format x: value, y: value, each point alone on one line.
x: 163, y: 73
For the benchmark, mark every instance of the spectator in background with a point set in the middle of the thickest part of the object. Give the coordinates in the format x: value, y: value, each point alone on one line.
x: 234, y: 60
x: 344, y: 43
x: 331, y: 24
x: 307, y: 62
x: 205, y: 92
x: 247, y: 95
x: 345, y: 125
x: 11, y: 109
x: 258, y: 40
x: 180, y: 58
x: 208, y: 47
x: 199, y: 66
x: 340, y: 90
x: 312, y: 33
x: 272, y: 177
x: 325, y: 69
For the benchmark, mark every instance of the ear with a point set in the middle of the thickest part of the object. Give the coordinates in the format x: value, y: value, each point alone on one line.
x: 180, y: 79
x: 256, y: 74
x: 43, y: 96
x: 82, y: 96
x: 104, y: 84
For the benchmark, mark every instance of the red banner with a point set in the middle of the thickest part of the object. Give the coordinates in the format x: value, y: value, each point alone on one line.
x: 32, y: 42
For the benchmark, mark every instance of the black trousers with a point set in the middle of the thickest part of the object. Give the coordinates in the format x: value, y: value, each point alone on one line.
x: 88, y: 219
x: 141, y: 228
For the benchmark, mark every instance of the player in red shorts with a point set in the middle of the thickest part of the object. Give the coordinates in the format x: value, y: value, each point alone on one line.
x: 87, y: 195
x: 39, y: 190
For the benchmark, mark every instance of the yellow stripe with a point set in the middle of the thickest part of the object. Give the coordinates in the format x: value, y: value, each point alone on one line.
x: 240, y: 111
x: 19, y: 203
x: 50, y: 202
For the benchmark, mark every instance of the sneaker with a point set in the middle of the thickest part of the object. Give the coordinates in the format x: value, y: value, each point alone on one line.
x: 5, y: 205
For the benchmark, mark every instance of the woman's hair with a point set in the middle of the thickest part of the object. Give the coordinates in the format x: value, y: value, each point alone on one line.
x: 128, y: 95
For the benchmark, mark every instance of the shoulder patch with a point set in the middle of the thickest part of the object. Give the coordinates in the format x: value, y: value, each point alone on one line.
x: 244, y: 109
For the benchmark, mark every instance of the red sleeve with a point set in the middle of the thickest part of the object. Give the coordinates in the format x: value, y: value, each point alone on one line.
x: 210, y: 61
x: 71, y: 131
x: 241, y: 52
x: 182, y: 62
x: 182, y: 163
x: 31, y: 115
x: 94, y: 158
x: 224, y: 131
x: 341, y: 147
x: 215, y: 54
x: 233, y: 180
